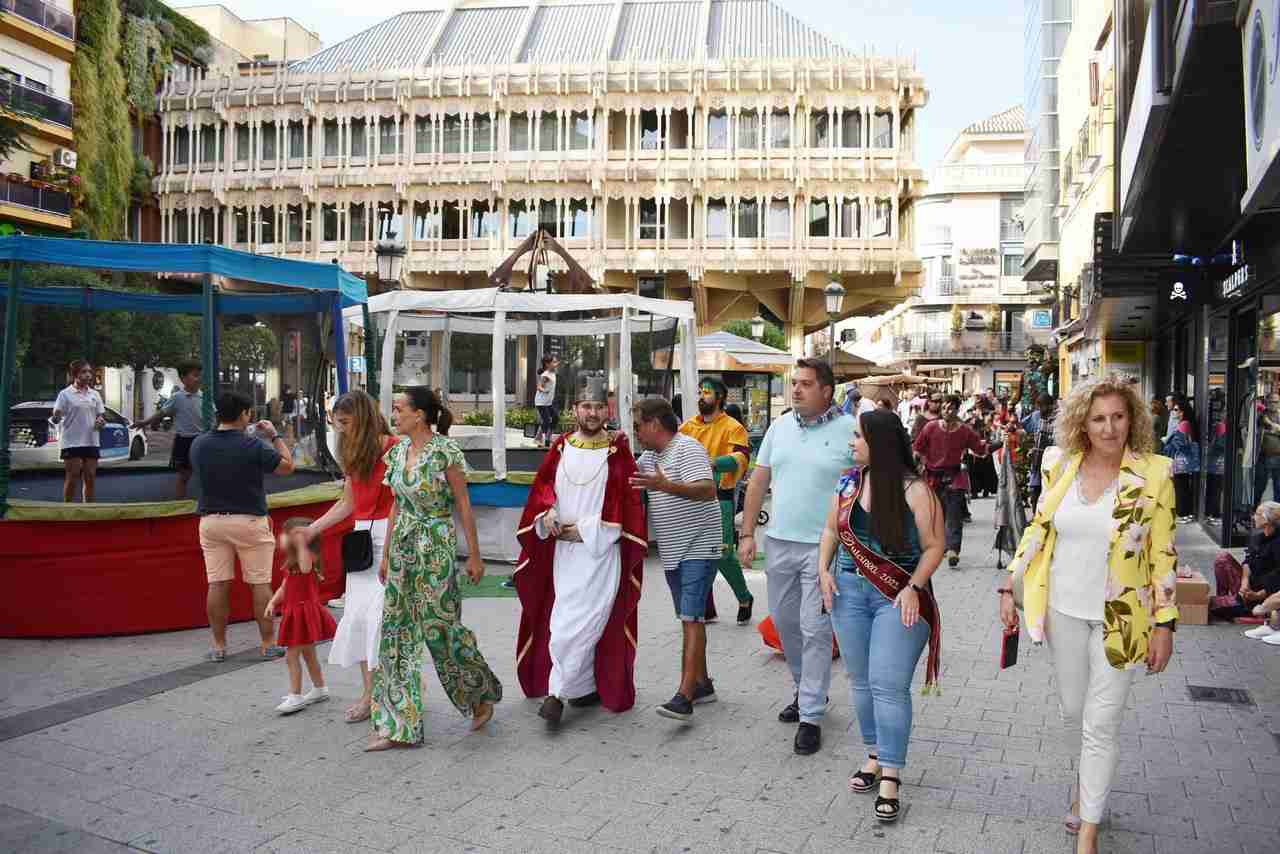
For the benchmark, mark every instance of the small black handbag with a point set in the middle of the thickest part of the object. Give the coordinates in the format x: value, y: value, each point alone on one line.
x: 357, y: 551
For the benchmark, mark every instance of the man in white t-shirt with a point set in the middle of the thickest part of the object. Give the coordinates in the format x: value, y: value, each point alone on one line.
x: 186, y: 406
x: 79, y: 410
x: 544, y: 399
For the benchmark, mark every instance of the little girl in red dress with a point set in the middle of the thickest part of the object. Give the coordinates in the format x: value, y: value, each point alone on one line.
x: 305, y: 621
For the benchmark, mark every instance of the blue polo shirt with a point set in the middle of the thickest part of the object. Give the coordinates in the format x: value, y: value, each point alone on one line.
x: 805, y: 463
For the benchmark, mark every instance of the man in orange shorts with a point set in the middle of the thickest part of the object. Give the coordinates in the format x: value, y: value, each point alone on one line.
x: 230, y: 466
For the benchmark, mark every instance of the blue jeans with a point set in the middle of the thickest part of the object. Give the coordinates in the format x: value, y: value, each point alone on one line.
x: 690, y: 582
x: 880, y: 655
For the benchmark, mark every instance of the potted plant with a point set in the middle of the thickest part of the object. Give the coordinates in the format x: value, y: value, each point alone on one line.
x: 957, y: 325
x: 993, y: 327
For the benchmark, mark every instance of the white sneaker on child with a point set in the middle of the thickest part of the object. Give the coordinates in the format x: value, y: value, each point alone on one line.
x: 1260, y: 632
x: 292, y: 703
x: 316, y: 695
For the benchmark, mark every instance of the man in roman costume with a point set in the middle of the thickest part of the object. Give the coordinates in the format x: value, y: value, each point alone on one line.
x: 583, y: 540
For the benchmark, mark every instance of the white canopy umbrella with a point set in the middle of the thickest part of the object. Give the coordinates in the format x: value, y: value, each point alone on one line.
x: 393, y: 312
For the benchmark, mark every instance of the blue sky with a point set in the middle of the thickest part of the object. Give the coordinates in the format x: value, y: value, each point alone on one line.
x: 970, y: 53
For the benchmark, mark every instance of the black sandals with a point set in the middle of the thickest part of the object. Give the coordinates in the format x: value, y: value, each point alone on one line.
x: 888, y: 809
x: 864, y: 781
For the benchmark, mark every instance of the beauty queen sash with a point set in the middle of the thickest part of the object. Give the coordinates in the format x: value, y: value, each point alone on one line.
x: 889, y: 578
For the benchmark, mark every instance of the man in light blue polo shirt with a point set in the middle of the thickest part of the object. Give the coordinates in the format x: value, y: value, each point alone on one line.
x: 801, y: 459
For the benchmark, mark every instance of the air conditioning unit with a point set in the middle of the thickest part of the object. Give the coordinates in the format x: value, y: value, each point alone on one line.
x: 64, y: 158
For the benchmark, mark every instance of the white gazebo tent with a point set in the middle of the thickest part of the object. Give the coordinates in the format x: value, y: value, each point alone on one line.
x: 486, y: 311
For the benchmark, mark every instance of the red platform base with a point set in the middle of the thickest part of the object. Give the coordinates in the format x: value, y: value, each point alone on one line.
x: 125, y: 576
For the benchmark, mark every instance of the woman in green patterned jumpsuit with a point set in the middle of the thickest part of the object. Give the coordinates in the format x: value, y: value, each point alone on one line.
x: 423, y: 609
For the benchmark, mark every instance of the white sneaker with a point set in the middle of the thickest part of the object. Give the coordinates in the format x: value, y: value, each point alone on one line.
x: 292, y: 703
x: 1273, y: 639
x: 1260, y: 632
x: 337, y: 603
x: 316, y: 695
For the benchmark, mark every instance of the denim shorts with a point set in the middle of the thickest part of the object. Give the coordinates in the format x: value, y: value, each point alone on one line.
x: 690, y: 582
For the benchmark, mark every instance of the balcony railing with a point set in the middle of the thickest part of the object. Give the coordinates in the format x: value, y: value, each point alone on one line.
x: 946, y: 286
x: 42, y: 14
x: 33, y: 102
x: 27, y: 196
x: 967, y: 343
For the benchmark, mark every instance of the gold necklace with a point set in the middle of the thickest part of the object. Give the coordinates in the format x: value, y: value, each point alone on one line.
x: 593, y: 444
x: 568, y: 473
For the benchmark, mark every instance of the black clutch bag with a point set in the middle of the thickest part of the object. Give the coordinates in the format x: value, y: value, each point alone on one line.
x: 1009, y: 647
x: 357, y: 551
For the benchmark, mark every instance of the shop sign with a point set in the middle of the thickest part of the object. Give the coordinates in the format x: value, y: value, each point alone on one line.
x: 1237, y: 281
x: 978, y: 268
x: 1179, y: 292
x: 356, y: 365
x: 1260, y: 49
x: 1042, y: 318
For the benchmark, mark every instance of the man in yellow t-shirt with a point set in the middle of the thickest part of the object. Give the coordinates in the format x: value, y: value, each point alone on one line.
x: 730, y: 450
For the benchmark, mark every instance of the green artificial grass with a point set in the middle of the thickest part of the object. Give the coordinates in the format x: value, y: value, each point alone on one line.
x: 490, y: 587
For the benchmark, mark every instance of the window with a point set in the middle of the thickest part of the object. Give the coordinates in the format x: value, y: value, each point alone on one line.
x: 359, y: 139
x: 267, y: 224
x: 819, y: 218
x: 650, y: 134
x: 424, y: 135
x: 580, y: 128
x: 851, y: 218
x: 1011, y: 264
x: 780, y: 129
x: 450, y: 221
x: 519, y: 218
x: 242, y: 142
x: 356, y: 223
x: 549, y: 132
x: 268, y: 134
x: 181, y: 227
x: 181, y: 146
x: 579, y: 224
x: 549, y: 216
x: 293, y: 223
x: 851, y: 129
x: 387, y: 136
x: 779, y: 223
x: 882, y: 130
x: 332, y: 138
x: 481, y: 132
x: 748, y: 218
x: 652, y: 220
x: 208, y: 226
x: 717, y: 219
x: 240, y: 219
x: 297, y: 141
x: 881, y: 221
x: 329, y: 223
x: 452, y: 143
x: 717, y: 129
x: 749, y: 129
x: 520, y: 136
x: 484, y: 222
x: 819, y: 129
x: 208, y: 144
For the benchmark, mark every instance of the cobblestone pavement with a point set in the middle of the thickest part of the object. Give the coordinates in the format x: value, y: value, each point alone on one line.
x: 209, y: 767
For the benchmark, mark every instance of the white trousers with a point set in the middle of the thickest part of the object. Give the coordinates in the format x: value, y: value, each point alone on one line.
x: 1093, y: 696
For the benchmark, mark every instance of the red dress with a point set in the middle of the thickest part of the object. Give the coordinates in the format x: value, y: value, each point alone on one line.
x: 304, y: 619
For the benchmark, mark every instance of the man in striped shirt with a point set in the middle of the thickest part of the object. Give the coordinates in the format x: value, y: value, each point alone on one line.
x: 676, y: 473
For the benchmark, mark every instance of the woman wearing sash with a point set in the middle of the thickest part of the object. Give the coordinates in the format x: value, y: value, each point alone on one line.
x: 885, y: 530
x: 1098, y: 582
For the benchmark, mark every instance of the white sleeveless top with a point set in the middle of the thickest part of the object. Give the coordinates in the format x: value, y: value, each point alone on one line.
x: 1078, y: 573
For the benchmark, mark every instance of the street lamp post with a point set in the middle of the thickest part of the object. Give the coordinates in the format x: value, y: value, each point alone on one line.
x: 390, y: 251
x: 834, y: 295
x: 757, y: 328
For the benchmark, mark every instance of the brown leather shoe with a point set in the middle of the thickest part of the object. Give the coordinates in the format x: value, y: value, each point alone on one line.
x: 552, y: 710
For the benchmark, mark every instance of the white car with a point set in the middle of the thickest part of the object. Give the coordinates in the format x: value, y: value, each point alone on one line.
x: 33, y: 439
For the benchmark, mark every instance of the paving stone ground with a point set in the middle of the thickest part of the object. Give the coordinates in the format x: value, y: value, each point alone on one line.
x: 208, y: 767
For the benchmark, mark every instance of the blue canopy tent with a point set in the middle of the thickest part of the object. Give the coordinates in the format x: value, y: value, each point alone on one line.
x: 321, y: 288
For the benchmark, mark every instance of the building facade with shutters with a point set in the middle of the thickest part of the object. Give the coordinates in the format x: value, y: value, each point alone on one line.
x: 719, y: 151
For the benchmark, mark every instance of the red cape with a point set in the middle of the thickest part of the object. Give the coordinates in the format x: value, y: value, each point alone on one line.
x: 616, y: 652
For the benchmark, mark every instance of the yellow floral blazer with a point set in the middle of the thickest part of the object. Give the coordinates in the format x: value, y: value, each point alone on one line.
x: 1141, y: 576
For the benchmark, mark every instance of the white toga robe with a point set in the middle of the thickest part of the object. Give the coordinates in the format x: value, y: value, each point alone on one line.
x: 585, y: 574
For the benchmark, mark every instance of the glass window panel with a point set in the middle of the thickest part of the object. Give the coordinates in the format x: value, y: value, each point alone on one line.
x: 748, y: 218
x: 208, y: 144
x: 452, y: 134
x: 268, y: 131
x: 717, y: 219
x: 242, y: 142
x: 1011, y: 265
x: 208, y: 226
x: 181, y: 146
x: 549, y: 132
x: 880, y: 225
x: 580, y: 132
x: 748, y: 129
x: 181, y: 228
x: 651, y: 222
x: 240, y: 219
x: 650, y: 139
x: 779, y: 223
x: 356, y: 228
x: 851, y: 218
x: 579, y: 218
x: 450, y: 221
x: 483, y: 221
x: 851, y: 129
x: 520, y: 132
x: 819, y: 218
x: 819, y: 129
x: 329, y: 222
x: 520, y: 218
x: 359, y: 142
x: 882, y: 130
x: 387, y: 136
x: 780, y: 129
x: 717, y: 129
x: 424, y: 135
x: 481, y: 130
x: 548, y: 216
x: 293, y: 213
x: 297, y: 140
x: 332, y: 139
x: 267, y: 224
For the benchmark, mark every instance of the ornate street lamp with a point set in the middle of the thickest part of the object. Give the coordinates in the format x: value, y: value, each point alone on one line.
x: 390, y: 250
x: 757, y: 328
x: 834, y: 295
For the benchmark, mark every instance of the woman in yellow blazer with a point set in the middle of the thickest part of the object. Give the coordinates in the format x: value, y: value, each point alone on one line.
x: 1098, y: 568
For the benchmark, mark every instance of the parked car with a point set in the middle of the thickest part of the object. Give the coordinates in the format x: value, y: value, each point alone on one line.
x: 33, y: 438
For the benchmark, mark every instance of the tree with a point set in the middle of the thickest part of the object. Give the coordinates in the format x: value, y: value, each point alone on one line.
x: 11, y: 138
x: 103, y: 137
x: 773, y: 336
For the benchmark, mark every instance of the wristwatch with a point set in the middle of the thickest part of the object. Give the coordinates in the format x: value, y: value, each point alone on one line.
x: 916, y: 587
